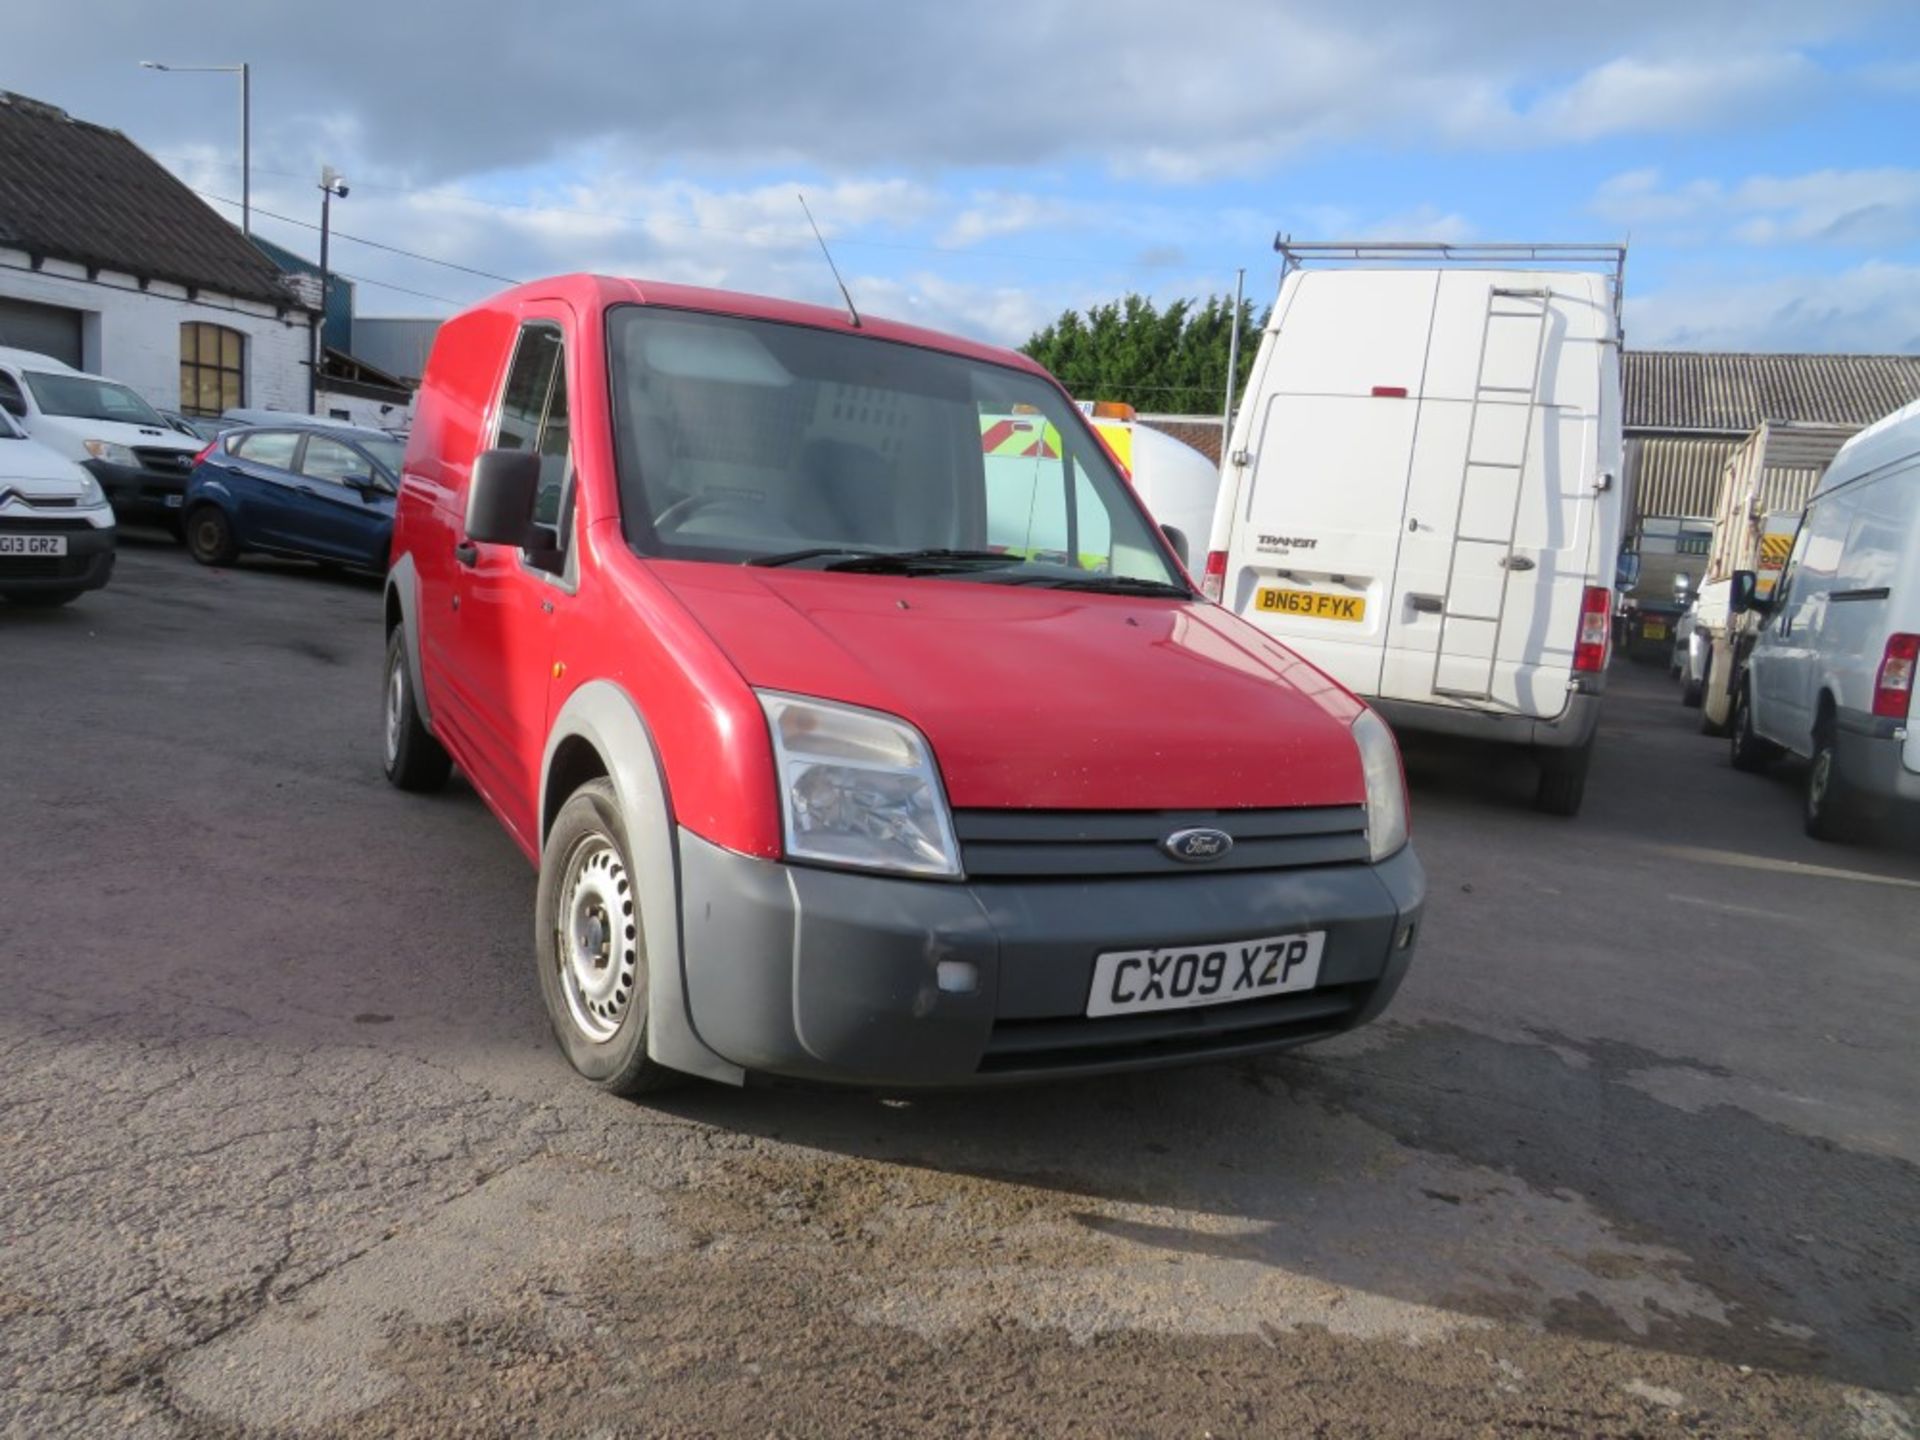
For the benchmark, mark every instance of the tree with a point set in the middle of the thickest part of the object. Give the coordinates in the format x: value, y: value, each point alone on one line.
x: 1171, y: 361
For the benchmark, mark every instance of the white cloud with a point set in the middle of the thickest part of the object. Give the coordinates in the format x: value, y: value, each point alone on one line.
x: 1871, y: 309
x: 1636, y: 95
x: 1864, y: 208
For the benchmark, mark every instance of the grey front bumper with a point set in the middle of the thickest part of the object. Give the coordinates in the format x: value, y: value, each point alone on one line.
x: 1569, y: 730
x: 830, y: 976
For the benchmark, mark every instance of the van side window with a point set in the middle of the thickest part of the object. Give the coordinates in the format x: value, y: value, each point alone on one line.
x: 530, y: 379
x: 553, y: 448
x: 10, y: 396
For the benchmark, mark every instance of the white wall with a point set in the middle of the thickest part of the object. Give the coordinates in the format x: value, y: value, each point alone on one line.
x: 379, y: 414
x: 133, y: 335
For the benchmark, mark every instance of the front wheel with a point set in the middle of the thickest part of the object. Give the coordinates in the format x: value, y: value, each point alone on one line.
x: 1750, y: 753
x: 414, y: 760
x: 591, y: 945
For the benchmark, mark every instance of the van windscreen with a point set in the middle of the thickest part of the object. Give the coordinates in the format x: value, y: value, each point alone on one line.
x: 754, y: 441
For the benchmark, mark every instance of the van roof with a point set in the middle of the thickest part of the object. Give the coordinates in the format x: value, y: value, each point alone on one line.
x: 600, y: 291
x: 33, y: 360
x: 1893, y: 437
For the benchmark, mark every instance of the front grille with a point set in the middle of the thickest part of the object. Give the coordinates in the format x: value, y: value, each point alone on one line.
x: 1040, y: 844
x: 42, y: 567
x: 1017, y: 1045
x: 176, y: 462
x: 62, y: 526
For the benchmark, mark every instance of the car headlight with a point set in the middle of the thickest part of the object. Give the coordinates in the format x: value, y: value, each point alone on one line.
x: 858, y: 788
x: 111, y: 451
x: 1386, y: 785
x: 92, y: 497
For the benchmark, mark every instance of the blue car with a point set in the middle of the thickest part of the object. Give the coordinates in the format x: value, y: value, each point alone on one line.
x: 314, y: 492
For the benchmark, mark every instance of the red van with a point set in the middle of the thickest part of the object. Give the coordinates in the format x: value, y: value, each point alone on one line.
x: 852, y: 742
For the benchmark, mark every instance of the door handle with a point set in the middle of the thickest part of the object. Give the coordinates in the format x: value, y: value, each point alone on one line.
x: 467, y: 553
x: 1427, y: 604
x: 1517, y: 562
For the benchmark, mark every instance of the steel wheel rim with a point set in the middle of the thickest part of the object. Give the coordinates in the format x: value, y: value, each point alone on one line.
x: 1819, y: 778
x: 596, y: 939
x: 396, y: 701
x: 206, y: 535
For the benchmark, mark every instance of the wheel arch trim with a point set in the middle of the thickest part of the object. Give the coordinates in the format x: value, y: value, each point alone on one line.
x: 604, y: 716
x: 403, y: 594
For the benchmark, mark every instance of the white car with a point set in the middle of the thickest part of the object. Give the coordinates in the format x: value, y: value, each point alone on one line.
x: 56, y: 527
x: 1831, y: 673
x: 140, y: 460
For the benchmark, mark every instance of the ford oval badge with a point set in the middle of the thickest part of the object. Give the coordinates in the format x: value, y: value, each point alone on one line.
x: 1198, y: 846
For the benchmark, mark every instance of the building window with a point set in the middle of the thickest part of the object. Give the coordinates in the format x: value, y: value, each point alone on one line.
x: 212, y: 372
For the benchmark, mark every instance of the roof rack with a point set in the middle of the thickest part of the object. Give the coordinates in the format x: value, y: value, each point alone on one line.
x: 1605, y: 256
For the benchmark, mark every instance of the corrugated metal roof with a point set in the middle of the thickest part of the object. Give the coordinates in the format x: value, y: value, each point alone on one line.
x: 1732, y: 393
x: 88, y: 194
x: 1675, y: 475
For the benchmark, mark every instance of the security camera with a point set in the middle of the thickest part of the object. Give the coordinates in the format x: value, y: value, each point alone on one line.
x: 340, y: 189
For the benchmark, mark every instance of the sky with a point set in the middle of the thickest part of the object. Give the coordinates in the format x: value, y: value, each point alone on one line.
x: 981, y: 167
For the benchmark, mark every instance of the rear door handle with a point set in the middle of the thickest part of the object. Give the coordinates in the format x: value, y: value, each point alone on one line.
x: 1427, y: 604
x: 467, y: 553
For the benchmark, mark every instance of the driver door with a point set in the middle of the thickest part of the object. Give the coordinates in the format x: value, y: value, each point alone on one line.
x: 504, y: 605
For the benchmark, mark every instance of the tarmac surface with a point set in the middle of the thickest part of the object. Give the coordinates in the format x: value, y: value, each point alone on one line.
x: 286, y: 1149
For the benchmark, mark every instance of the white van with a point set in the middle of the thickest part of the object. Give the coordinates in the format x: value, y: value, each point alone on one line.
x: 140, y: 461
x: 1422, y: 490
x: 1178, y: 485
x: 1830, y: 675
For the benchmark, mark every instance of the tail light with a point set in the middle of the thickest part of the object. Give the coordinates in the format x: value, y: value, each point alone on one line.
x: 1893, y: 686
x: 1213, y: 584
x: 211, y: 447
x: 1596, y: 615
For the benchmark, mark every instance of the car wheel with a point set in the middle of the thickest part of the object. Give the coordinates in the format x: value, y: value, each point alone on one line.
x: 1829, y: 809
x: 414, y: 759
x: 1750, y: 752
x: 40, y: 599
x: 209, y: 536
x: 1563, y: 780
x: 592, y: 948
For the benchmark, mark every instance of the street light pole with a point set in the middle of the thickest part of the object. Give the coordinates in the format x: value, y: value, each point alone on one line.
x: 332, y: 183
x: 245, y: 72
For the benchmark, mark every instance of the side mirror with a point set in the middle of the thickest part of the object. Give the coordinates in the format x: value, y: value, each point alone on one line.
x: 1743, y: 593
x: 1176, y: 538
x: 500, y: 497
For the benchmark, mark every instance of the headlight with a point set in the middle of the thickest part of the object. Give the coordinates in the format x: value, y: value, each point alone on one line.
x: 111, y: 451
x: 92, y: 497
x: 1386, y: 785
x: 858, y: 788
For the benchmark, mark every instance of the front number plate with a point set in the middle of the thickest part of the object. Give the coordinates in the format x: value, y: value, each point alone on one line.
x: 1128, y: 982
x: 1315, y: 604
x: 33, y: 544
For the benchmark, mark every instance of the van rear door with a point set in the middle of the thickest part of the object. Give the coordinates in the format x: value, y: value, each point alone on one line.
x: 1501, y: 533
x: 1311, y: 555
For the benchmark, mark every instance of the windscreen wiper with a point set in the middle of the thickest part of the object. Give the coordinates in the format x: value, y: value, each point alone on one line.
x: 936, y: 560
x: 1107, y: 584
x: 812, y: 552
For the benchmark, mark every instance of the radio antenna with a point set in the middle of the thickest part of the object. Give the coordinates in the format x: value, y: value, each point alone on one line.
x: 852, y: 314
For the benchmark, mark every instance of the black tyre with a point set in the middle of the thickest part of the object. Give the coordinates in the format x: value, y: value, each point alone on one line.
x: 1692, y: 691
x: 40, y: 599
x: 592, y: 947
x: 1829, y: 809
x: 1750, y: 752
x: 414, y: 759
x: 209, y: 535
x: 1563, y: 780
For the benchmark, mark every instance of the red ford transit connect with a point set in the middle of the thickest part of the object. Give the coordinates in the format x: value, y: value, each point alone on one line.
x: 852, y: 742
